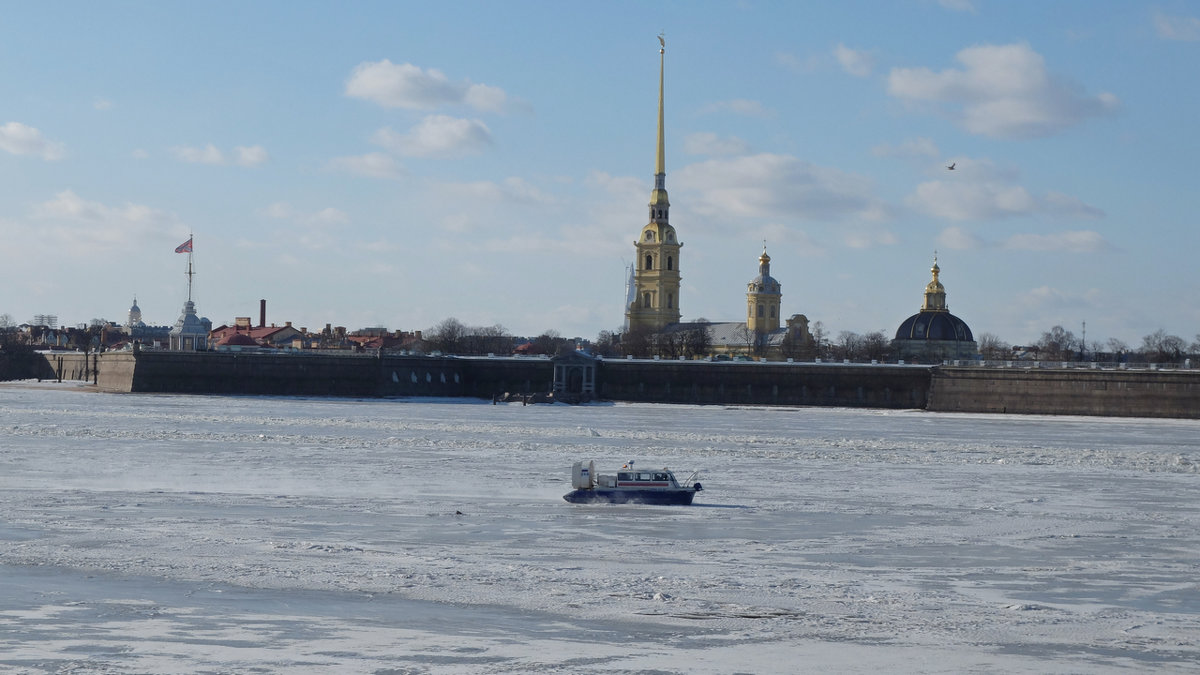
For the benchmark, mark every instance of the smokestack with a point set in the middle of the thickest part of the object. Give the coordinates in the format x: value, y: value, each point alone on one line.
x: 262, y: 313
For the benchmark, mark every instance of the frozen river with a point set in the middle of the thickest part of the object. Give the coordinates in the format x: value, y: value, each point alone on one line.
x: 184, y: 534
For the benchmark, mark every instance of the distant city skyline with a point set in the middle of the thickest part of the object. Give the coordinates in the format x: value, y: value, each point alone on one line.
x: 394, y: 164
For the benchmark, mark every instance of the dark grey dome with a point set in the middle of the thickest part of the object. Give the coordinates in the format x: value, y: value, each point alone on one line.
x: 764, y: 283
x: 934, y: 325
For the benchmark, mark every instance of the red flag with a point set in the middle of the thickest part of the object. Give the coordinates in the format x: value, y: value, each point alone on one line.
x: 185, y: 247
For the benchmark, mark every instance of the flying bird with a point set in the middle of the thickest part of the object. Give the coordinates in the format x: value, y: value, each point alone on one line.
x: 951, y: 167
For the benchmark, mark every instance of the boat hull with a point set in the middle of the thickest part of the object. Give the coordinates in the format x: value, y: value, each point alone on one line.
x: 680, y: 497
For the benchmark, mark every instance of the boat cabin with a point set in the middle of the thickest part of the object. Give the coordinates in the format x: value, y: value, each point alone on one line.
x: 646, y: 479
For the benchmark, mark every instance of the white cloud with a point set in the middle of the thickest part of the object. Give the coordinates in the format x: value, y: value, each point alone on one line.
x: 485, y: 97
x: 242, y: 155
x: 621, y: 189
x: 1002, y: 91
x: 81, y: 226
x: 209, y: 154
x: 792, y: 239
x: 957, y: 238
x: 1181, y: 28
x: 373, y: 165
x: 869, y: 238
x: 327, y: 216
x: 313, y: 230
x: 102, y: 104
x: 250, y: 156
x: 1055, y: 298
x: 404, y: 85
x: 855, y: 62
x: 708, y: 143
x: 1077, y: 241
x: 972, y: 201
x: 797, y: 64
x: 980, y: 190
x: 278, y: 210
x: 20, y: 139
x: 511, y: 190
x: 916, y: 147
x: 437, y: 136
x: 778, y: 187
x: 1072, y: 241
x: 737, y: 106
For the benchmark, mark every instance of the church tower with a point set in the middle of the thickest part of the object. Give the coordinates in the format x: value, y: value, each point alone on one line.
x: 655, y: 297
x: 763, y: 297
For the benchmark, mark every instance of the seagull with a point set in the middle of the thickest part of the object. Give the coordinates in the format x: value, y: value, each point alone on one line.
x: 951, y: 167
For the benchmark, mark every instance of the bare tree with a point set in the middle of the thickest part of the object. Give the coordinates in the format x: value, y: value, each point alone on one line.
x: 549, y: 342
x: 850, y: 345
x: 697, y: 342
x: 448, y: 336
x: 876, y: 346
x: 993, y: 348
x: 494, y: 339
x: 637, y: 343
x: 607, y: 344
x: 819, y: 339
x: 1057, y: 344
x: 746, y: 336
x: 1159, y: 347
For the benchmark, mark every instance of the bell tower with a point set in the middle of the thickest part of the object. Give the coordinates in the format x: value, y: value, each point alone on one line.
x: 655, y: 297
x: 763, y: 298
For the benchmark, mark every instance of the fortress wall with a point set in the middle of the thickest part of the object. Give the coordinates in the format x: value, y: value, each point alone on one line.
x: 759, y: 383
x: 1143, y: 393
x: 250, y: 373
x: 1133, y: 393
x: 486, y: 377
x: 64, y: 366
x: 302, y: 375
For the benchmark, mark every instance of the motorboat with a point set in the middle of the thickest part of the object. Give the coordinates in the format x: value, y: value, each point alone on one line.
x: 629, y: 486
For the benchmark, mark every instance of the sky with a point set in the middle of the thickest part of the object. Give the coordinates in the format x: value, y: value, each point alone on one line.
x: 396, y: 164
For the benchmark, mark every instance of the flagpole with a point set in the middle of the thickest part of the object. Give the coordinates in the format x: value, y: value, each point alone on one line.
x: 189, y: 272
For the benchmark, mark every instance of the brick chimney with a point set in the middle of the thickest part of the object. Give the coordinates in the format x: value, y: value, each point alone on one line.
x: 262, y: 313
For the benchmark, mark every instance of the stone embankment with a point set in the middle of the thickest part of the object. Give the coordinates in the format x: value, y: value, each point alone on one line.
x: 1024, y: 390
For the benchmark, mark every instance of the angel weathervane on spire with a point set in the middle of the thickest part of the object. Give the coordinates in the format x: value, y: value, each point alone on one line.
x: 662, y: 44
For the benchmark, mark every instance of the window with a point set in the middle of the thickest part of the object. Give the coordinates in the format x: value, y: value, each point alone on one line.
x: 772, y: 311
x: 649, y: 236
x: 760, y: 311
x: 649, y: 262
x: 646, y: 300
x: 670, y: 300
x: 670, y: 263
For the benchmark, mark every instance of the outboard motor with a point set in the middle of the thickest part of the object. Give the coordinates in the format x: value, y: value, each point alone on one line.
x: 697, y: 487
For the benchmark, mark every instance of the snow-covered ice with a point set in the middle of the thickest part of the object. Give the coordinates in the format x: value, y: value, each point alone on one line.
x: 182, y: 534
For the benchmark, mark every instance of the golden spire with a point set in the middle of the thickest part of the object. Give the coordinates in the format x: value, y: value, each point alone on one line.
x: 660, y: 160
x: 659, y: 196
